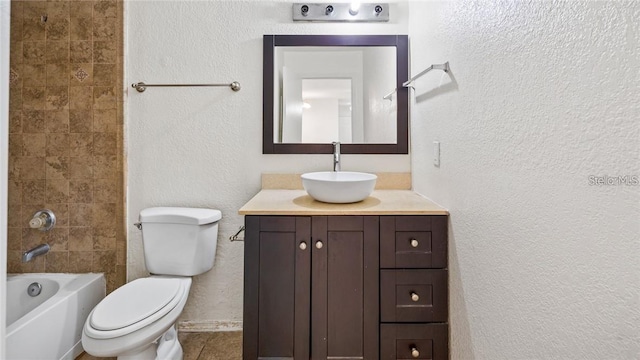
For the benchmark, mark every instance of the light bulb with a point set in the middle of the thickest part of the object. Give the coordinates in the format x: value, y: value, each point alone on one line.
x: 354, y: 8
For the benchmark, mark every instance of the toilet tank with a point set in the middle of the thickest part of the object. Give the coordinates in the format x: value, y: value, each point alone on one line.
x: 179, y: 241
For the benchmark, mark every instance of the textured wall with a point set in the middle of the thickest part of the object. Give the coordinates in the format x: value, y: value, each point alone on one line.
x: 65, y: 141
x: 541, y: 96
x: 203, y: 147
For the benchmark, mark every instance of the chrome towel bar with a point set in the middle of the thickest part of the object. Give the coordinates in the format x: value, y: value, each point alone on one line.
x: 141, y: 87
x: 237, y: 237
x: 444, y: 67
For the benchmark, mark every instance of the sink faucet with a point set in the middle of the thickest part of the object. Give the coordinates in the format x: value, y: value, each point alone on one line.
x: 336, y: 156
x: 36, y: 251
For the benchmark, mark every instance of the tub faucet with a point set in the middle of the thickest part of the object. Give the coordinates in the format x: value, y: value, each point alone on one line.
x: 336, y: 156
x: 36, y: 251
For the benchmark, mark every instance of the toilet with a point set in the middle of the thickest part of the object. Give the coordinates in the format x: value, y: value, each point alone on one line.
x: 137, y: 320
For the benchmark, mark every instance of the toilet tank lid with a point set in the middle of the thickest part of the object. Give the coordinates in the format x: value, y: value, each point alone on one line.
x: 179, y: 215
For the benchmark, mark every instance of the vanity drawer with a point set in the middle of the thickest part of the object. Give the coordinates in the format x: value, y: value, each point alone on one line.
x: 413, y: 296
x: 413, y: 242
x: 414, y: 341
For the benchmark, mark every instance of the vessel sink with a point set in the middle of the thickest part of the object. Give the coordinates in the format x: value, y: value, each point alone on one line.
x: 339, y: 187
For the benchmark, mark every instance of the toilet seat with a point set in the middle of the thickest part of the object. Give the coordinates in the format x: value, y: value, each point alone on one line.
x: 135, y: 306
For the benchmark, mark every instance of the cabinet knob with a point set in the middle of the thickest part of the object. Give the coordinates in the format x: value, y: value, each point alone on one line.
x: 414, y: 297
x: 319, y: 244
x: 414, y: 243
x: 303, y: 245
x: 414, y: 352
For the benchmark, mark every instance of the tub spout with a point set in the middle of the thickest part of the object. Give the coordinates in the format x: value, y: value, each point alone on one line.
x: 36, y: 251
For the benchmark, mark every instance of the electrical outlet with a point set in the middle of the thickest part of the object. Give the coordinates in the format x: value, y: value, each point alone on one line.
x: 436, y: 153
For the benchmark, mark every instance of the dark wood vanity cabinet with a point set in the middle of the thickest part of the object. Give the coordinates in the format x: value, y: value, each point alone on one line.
x: 343, y: 287
x: 414, y: 288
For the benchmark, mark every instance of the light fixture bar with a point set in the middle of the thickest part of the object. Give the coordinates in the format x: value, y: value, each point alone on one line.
x: 365, y: 12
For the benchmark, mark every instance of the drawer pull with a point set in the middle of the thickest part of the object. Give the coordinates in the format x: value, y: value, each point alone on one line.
x: 414, y: 297
x: 303, y: 246
x: 414, y: 352
x: 319, y: 244
x: 414, y: 243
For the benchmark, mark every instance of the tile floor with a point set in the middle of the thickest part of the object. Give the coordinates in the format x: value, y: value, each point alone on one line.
x: 204, y: 346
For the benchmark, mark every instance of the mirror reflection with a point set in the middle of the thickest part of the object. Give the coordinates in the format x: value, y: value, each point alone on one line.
x: 335, y: 93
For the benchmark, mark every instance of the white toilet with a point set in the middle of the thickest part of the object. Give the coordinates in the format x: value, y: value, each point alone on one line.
x: 136, y: 321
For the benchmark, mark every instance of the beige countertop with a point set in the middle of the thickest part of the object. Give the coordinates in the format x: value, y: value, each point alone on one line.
x: 381, y: 202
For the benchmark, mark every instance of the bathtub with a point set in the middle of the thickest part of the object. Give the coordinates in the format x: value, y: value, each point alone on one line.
x: 49, y: 325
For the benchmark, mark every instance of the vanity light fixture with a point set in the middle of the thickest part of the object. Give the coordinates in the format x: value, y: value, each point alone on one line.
x: 354, y: 8
x: 354, y: 11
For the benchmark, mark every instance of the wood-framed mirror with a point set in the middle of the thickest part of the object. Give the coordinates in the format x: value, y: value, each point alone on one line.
x: 323, y: 88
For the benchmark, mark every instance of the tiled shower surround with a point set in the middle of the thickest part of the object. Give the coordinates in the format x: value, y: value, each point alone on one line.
x: 65, y: 136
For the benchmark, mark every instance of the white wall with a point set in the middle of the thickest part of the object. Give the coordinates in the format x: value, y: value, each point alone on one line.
x: 382, y: 116
x: 541, y: 96
x: 203, y: 147
x: 5, y: 12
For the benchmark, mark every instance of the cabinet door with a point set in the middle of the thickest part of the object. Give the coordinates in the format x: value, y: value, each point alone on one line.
x: 344, y: 314
x: 277, y: 289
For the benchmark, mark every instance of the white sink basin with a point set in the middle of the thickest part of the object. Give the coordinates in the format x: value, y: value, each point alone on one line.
x: 339, y: 187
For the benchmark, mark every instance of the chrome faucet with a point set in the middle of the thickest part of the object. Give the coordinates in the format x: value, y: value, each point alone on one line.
x: 36, y: 251
x: 336, y: 156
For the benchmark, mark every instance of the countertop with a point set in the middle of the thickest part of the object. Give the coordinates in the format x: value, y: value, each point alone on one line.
x: 381, y: 202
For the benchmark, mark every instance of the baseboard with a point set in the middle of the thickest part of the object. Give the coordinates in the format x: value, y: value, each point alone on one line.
x: 209, y: 326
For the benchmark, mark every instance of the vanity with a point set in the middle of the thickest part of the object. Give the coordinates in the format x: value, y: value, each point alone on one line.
x: 367, y: 280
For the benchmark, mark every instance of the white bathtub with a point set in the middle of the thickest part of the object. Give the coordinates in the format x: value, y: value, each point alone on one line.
x: 49, y: 326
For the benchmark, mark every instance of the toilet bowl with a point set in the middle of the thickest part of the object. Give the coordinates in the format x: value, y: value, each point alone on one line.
x: 137, y: 320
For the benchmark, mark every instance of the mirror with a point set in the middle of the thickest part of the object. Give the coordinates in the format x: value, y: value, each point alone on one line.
x: 323, y: 88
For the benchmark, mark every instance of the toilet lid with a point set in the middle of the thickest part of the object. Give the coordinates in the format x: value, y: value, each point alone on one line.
x: 135, y: 302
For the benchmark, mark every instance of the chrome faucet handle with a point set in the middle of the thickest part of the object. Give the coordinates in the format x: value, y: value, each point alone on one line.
x: 336, y: 155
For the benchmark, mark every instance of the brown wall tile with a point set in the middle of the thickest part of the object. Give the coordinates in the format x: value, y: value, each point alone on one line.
x: 81, y: 98
x: 80, y: 238
x: 33, y: 144
x: 105, y: 8
x: 81, y: 167
x: 65, y: 143
x: 15, y: 121
x: 33, y: 191
x: 15, y: 144
x: 104, y: 52
x: 104, y: 120
x: 33, y: 121
x: 33, y: 75
x: 81, y: 191
x: 57, y: 74
x: 81, y: 51
x: 81, y: 121
x: 81, y: 144
x: 104, y: 75
x: 31, y: 167
x: 57, y: 145
x: 57, y: 51
x: 81, y: 75
x: 57, y: 98
x: 33, y: 98
x: 56, y: 121
x: 57, y: 262
x: 57, y: 167
x: 81, y: 9
x: 57, y: 191
x: 33, y: 29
